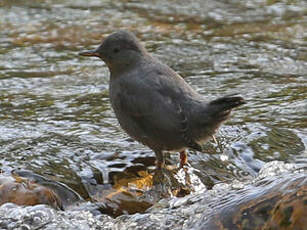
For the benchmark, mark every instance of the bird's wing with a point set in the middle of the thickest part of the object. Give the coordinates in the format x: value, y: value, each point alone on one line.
x: 155, y: 104
x: 146, y: 103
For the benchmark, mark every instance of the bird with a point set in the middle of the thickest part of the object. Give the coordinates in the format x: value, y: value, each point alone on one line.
x: 153, y: 104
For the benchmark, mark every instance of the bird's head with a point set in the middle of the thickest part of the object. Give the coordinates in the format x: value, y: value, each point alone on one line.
x: 119, y: 50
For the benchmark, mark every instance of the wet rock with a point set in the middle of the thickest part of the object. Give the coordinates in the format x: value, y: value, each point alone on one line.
x: 66, y: 194
x: 43, y: 217
x: 22, y: 191
x: 177, y: 182
x: 290, y: 211
x: 137, y: 194
x: 276, y: 199
x: 280, y: 206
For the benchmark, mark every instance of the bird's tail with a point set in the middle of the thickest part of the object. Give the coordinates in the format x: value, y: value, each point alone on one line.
x: 221, y: 107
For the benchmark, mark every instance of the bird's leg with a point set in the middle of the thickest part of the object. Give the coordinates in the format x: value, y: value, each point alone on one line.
x: 160, y: 163
x: 183, y: 158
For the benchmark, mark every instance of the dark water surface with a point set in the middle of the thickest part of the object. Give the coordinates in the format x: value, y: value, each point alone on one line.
x: 55, y: 115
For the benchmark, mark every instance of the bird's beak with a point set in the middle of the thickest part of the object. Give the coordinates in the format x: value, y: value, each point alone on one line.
x: 90, y: 53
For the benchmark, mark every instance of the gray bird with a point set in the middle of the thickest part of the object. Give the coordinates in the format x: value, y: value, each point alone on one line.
x: 155, y: 105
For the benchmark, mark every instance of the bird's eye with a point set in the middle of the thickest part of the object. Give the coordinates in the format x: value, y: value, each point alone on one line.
x: 116, y: 50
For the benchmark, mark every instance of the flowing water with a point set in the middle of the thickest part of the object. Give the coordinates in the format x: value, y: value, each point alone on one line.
x: 55, y: 115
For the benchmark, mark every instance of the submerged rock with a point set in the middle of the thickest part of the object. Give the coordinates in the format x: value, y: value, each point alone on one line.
x: 66, y: 195
x: 276, y: 199
x: 137, y: 194
x: 22, y: 191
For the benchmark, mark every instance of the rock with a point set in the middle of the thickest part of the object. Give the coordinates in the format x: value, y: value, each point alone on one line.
x: 276, y: 199
x: 22, y: 191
